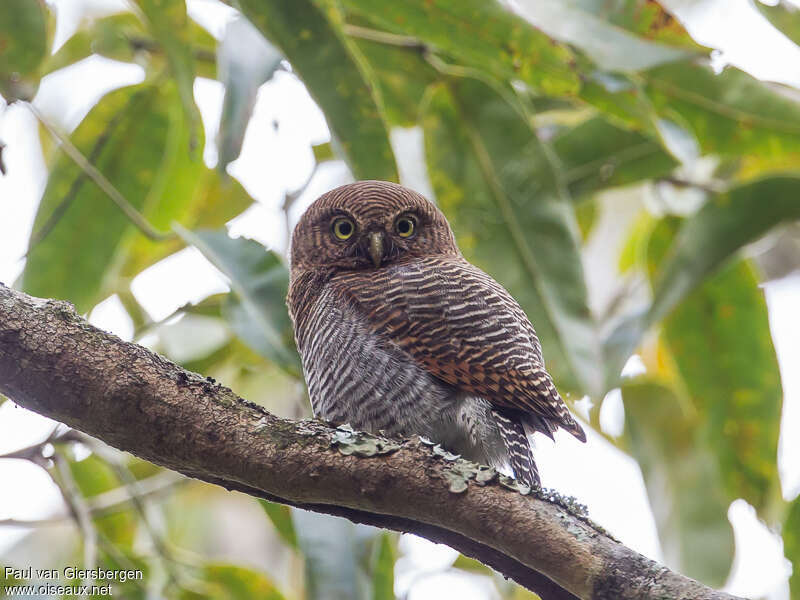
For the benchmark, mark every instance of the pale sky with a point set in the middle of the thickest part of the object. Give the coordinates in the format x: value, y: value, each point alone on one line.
x: 605, y: 479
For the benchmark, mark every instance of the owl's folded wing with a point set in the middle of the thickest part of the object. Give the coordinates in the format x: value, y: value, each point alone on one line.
x: 464, y: 328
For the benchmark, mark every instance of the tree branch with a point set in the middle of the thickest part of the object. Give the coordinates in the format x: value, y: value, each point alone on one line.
x: 56, y: 364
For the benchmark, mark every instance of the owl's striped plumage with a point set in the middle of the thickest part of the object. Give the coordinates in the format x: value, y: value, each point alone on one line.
x: 399, y: 333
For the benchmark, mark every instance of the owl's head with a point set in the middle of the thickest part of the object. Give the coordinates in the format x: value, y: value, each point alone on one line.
x: 367, y: 225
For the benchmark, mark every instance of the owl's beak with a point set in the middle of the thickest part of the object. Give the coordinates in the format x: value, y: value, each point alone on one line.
x: 376, y: 247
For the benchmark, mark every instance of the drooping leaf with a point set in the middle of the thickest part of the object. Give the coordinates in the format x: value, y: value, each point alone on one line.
x: 499, y: 187
x: 382, y: 568
x: 246, y: 60
x: 309, y: 35
x: 720, y: 229
x: 116, y: 37
x: 231, y: 582
x: 471, y: 565
x: 24, y: 44
x: 480, y: 34
x: 80, y: 237
x: 683, y: 480
x: 403, y: 75
x: 329, y: 545
x: 213, y: 201
x: 791, y: 546
x: 708, y: 239
x: 124, y: 37
x: 257, y: 311
x: 281, y: 517
x: 785, y: 16
x: 586, y: 216
x: 323, y: 152
x: 645, y: 18
x: 720, y: 341
x: 172, y: 29
x: 191, y: 338
x: 619, y: 96
x: 730, y: 114
x: 597, y: 154
x: 608, y: 45
x: 93, y: 476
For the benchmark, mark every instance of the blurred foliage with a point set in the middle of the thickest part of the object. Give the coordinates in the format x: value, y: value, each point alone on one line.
x: 534, y: 122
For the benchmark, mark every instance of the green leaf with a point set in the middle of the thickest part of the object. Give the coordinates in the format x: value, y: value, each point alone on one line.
x: 191, y: 338
x: 645, y: 18
x: 403, y: 75
x: 720, y: 229
x: 94, y: 476
x: 309, y: 35
x: 620, y: 97
x: 720, y: 341
x: 115, y: 37
x: 382, y: 569
x: 597, y: 154
x: 609, y: 46
x: 785, y: 16
x: 24, y: 43
x: 707, y: 240
x: 259, y: 280
x: 123, y: 37
x: 586, y: 215
x: 281, y: 517
x: 230, y: 582
x: 136, y: 137
x: 10, y: 579
x: 323, y: 152
x: 473, y: 566
x: 211, y: 200
x: 791, y: 546
x: 500, y: 189
x: 330, y: 547
x: 246, y: 60
x: 683, y: 480
x: 730, y: 114
x: 171, y: 27
x: 480, y: 34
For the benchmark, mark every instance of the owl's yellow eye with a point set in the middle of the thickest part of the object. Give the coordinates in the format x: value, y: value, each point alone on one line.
x: 343, y: 228
x: 406, y: 226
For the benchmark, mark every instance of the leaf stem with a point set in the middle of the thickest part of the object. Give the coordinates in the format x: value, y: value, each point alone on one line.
x: 383, y: 37
x: 100, y: 180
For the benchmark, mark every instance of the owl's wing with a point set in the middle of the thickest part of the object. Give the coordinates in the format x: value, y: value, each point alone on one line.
x: 464, y: 328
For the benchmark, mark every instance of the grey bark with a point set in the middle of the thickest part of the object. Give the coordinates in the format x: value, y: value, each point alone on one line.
x: 56, y: 364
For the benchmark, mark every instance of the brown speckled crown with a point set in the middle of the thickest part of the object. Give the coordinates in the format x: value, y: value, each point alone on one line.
x: 370, y: 204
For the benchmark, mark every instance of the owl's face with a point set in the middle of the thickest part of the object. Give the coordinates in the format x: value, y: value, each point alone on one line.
x: 369, y: 225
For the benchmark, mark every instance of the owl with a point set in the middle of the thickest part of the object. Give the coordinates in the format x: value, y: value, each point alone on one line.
x: 399, y: 334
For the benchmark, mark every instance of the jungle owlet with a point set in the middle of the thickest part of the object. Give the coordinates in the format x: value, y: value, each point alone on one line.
x: 399, y: 333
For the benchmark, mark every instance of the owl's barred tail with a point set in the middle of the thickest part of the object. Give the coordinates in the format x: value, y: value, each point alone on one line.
x: 519, y: 450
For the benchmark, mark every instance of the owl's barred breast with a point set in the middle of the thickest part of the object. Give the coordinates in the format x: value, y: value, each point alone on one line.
x: 363, y: 378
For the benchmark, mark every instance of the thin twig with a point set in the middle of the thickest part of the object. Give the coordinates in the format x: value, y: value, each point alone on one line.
x: 61, y: 208
x: 111, y: 501
x: 100, y: 180
x: 80, y: 512
x: 33, y: 453
x: 137, y: 497
x: 709, y: 188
